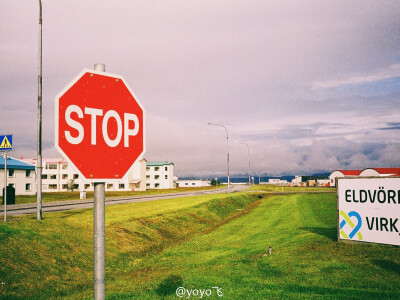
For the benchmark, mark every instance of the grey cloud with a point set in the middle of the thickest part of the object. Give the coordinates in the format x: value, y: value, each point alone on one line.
x: 248, y: 65
x: 391, y: 126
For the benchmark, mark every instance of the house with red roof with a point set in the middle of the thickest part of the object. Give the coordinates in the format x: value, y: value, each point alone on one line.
x: 369, y: 172
x: 380, y: 172
x: 342, y: 173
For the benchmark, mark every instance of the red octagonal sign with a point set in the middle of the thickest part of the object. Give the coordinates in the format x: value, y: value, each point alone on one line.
x: 99, y: 125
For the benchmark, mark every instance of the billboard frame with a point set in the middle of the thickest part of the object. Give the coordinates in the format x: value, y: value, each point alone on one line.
x: 338, y: 211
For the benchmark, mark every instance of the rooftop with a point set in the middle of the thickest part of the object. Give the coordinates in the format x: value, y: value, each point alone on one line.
x: 16, y: 164
x: 158, y: 163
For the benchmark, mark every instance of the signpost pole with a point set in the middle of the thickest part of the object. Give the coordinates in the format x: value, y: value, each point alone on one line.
x: 99, y: 240
x: 99, y: 256
x: 5, y: 186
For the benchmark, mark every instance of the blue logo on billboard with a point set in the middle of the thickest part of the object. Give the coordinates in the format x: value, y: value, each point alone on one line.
x: 355, y: 228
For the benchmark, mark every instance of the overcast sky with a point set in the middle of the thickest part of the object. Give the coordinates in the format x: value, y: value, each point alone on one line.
x: 309, y: 85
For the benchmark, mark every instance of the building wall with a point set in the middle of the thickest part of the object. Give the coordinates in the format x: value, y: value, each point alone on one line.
x: 276, y: 181
x: 323, y: 182
x: 160, y: 176
x: 23, y: 184
x: 296, y: 180
x: 137, y: 176
x: 57, y: 173
x: 193, y: 183
x: 333, y: 176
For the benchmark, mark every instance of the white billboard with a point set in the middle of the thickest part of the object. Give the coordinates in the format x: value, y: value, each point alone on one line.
x: 369, y: 209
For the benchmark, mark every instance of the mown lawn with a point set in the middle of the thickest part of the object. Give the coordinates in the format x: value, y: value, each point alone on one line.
x: 63, y: 196
x: 306, y: 261
x: 199, y: 243
x: 276, y: 188
x: 53, y: 258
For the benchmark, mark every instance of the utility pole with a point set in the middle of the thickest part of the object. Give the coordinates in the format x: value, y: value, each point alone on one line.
x: 39, y: 142
x: 227, y: 145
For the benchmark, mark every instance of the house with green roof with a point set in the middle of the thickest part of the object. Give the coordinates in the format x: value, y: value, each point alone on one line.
x: 160, y: 175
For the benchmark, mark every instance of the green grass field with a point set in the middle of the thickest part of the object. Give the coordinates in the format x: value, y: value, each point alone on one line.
x: 199, y: 243
x: 276, y: 188
x: 64, y: 196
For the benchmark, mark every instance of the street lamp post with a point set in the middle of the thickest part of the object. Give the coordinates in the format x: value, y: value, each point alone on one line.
x: 227, y: 145
x: 39, y: 144
x: 248, y: 151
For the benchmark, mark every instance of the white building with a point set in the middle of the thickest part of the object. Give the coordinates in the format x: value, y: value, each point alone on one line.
x: 323, y: 182
x: 192, y: 183
x: 297, y: 179
x: 277, y: 181
x: 20, y: 175
x: 342, y: 173
x: 160, y: 175
x: 57, y: 173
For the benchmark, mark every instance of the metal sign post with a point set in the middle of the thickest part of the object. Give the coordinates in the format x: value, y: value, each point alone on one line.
x: 6, y: 144
x: 99, y: 256
x: 5, y: 186
x: 99, y: 231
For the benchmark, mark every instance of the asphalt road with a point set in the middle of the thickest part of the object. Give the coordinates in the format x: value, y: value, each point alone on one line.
x: 30, y: 208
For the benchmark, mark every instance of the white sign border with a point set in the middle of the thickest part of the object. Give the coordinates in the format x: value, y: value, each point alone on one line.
x: 56, y: 110
x: 338, y: 210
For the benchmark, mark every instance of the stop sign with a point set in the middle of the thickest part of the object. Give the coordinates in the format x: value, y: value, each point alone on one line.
x: 99, y: 125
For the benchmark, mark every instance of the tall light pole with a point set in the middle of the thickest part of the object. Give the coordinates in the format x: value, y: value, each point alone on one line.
x: 39, y: 144
x: 227, y: 145
x: 248, y: 151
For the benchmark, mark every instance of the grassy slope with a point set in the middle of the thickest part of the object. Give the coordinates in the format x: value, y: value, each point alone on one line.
x: 307, y: 262
x: 154, y: 247
x: 53, y: 258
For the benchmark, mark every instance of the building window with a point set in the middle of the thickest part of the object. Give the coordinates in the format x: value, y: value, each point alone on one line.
x: 51, y: 166
x: 147, y: 184
x: 53, y: 176
x: 110, y: 186
x: 44, y: 176
x: 76, y: 186
x: 156, y: 168
x: 65, y: 186
x: 166, y: 176
x: 166, y: 168
x: 121, y: 186
x: 147, y: 168
x: 157, y: 185
x: 156, y: 176
x: 193, y: 183
x: 64, y: 176
x: 11, y: 173
x: 12, y: 185
x: 52, y: 186
x: 87, y: 186
x: 65, y: 166
x: 28, y: 173
x: 186, y: 183
x: 147, y: 176
x: 76, y: 176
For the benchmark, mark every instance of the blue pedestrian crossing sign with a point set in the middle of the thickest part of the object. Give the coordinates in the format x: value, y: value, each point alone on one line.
x: 6, y: 142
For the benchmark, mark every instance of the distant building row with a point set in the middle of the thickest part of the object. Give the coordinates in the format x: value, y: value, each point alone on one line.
x: 58, y: 175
